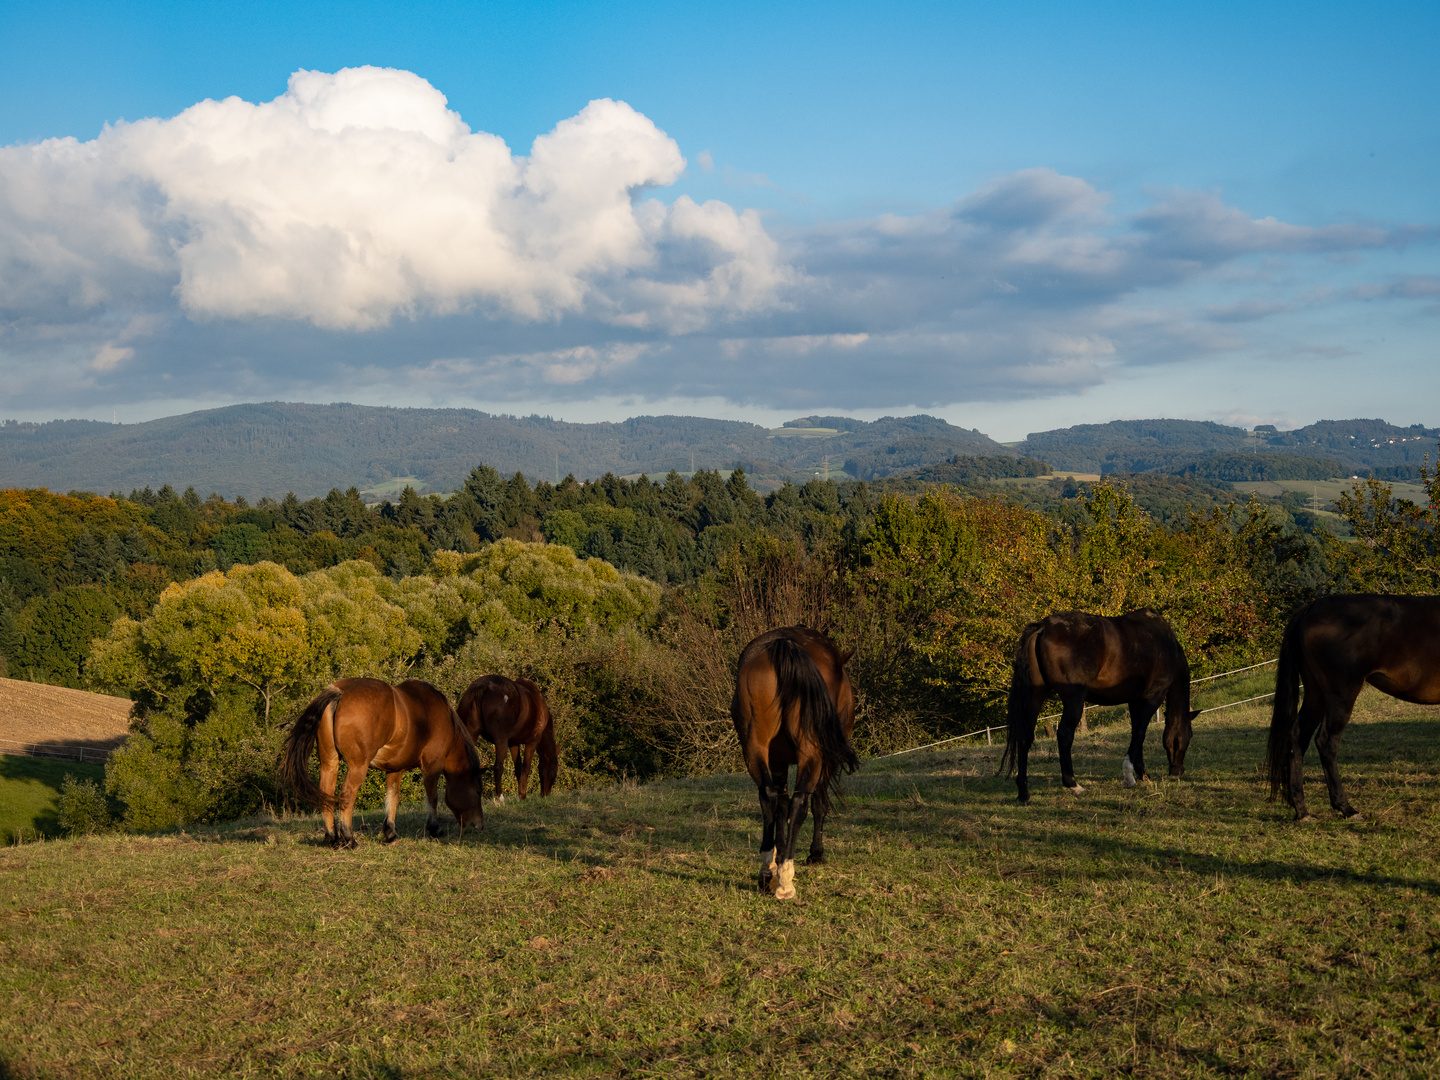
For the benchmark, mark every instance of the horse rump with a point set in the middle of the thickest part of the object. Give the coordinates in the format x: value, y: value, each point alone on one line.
x: 295, y: 756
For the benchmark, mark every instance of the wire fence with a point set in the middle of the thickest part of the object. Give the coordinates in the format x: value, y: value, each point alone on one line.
x: 64, y: 751
x: 989, y: 731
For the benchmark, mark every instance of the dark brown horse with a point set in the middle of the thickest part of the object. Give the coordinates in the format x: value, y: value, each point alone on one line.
x: 1335, y: 645
x: 793, y: 705
x: 1131, y: 659
x: 512, y: 714
x: 372, y: 724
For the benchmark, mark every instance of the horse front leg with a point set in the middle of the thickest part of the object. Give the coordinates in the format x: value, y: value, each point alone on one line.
x: 392, y: 804
x: 432, y: 806
x: 1069, y: 721
x: 523, y: 755
x: 1132, y: 765
x: 502, y: 751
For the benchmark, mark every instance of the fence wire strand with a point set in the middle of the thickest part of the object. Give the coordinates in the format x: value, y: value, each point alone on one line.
x: 1055, y: 716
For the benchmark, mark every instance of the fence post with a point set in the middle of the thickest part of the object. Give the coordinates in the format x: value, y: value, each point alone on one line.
x: 988, y: 741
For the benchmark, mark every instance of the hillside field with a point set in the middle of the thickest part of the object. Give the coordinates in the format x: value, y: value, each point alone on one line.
x: 1186, y: 928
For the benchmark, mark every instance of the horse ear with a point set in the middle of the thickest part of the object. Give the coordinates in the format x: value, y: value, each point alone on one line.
x: 1195, y: 712
x: 845, y: 656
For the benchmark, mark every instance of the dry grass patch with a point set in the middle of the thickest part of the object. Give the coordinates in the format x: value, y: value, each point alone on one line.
x: 37, y: 713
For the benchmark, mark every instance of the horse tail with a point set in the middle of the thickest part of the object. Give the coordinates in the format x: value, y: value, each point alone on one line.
x: 549, y: 755
x: 1284, y: 714
x: 295, y: 756
x: 798, y: 680
x: 1017, y: 706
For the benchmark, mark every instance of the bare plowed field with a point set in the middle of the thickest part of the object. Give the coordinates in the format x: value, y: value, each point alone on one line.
x: 32, y: 713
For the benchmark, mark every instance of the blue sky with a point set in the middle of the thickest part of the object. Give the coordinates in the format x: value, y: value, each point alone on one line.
x: 1016, y: 216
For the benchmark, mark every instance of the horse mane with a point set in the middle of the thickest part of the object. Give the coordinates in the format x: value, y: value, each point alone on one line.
x: 295, y: 755
x: 798, y: 681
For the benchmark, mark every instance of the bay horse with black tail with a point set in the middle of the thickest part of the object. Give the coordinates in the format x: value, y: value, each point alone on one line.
x: 1131, y: 659
x: 512, y: 714
x: 371, y: 724
x: 1335, y: 645
x: 793, y: 705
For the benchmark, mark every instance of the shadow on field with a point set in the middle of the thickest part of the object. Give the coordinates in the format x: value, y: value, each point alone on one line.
x: 1131, y: 853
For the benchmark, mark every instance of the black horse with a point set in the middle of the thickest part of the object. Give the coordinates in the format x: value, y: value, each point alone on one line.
x: 1335, y: 645
x: 1131, y: 659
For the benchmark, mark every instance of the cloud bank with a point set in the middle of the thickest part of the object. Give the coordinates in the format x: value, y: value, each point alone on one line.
x: 354, y: 235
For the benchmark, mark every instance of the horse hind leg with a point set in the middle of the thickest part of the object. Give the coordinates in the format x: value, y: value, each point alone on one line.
x: 1309, y: 719
x: 354, y: 777
x: 798, y: 805
x: 1327, y: 742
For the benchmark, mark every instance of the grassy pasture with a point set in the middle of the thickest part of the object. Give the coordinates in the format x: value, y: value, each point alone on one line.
x: 30, y: 793
x: 1182, y: 929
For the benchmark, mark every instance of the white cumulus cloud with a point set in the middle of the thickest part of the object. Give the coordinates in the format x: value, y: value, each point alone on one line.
x: 359, y: 196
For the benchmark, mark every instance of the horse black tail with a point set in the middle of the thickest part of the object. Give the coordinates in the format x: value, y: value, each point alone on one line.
x: 797, y: 679
x: 1284, y: 714
x: 295, y: 756
x: 1017, y: 706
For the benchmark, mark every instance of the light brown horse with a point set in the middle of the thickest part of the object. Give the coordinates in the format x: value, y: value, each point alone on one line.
x: 793, y: 705
x: 512, y: 714
x: 372, y: 724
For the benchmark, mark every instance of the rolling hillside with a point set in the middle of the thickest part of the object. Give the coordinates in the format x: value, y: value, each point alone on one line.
x: 272, y: 448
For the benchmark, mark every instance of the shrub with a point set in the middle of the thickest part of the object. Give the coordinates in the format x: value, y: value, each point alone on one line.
x: 83, y: 807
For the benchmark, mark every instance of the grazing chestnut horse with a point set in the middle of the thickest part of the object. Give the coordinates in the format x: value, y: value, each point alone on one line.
x: 1131, y: 659
x: 793, y: 705
x: 1335, y: 645
x: 372, y: 724
x: 512, y: 714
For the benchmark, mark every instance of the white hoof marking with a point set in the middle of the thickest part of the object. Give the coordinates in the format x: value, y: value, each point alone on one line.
x: 1076, y: 790
x: 499, y: 799
x: 1127, y: 771
x: 786, y: 891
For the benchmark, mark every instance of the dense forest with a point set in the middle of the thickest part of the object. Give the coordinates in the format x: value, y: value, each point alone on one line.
x: 629, y: 600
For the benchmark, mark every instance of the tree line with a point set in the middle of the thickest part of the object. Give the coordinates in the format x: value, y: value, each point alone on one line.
x: 632, y: 625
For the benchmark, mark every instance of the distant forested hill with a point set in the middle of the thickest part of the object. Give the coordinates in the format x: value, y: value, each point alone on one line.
x: 1208, y: 449
x: 275, y: 447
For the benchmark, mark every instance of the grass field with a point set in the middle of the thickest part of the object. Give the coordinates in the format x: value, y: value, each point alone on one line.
x: 1181, y: 929
x: 29, y: 790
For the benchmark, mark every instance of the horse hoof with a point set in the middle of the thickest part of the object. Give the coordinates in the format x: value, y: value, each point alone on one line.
x: 349, y: 844
x: 1307, y: 819
x: 392, y: 838
x: 785, y: 892
x: 816, y: 859
x: 1354, y: 815
x: 1075, y: 789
